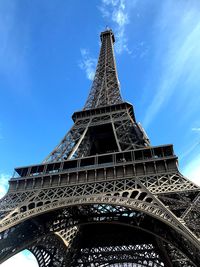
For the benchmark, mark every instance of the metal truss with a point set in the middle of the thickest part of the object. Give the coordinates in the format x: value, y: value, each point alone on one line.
x: 70, y: 140
x: 105, y: 88
x: 123, y: 192
x: 128, y: 134
x: 131, y: 255
x: 160, y: 192
x: 104, y: 93
x: 50, y: 251
x: 103, y: 196
x: 74, y: 245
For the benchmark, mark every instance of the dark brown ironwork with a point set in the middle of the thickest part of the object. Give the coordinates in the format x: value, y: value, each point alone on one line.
x: 104, y: 196
x: 105, y: 89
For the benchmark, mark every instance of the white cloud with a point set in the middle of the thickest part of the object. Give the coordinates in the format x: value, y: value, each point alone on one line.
x: 22, y: 259
x: 196, y: 129
x: 192, y: 170
x: 140, y: 50
x: 178, y: 53
x: 118, y: 12
x: 3, y: 184
x: 88, y: 64
x: 191, y: 149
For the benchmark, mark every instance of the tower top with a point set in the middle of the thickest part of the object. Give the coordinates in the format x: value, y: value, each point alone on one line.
x: 105, y: 89
x: 107, y: 32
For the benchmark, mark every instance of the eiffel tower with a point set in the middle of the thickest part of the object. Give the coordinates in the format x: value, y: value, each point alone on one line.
x: 104, y: 196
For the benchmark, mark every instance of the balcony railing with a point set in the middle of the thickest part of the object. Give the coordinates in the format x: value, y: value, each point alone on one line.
x: 111, y: 158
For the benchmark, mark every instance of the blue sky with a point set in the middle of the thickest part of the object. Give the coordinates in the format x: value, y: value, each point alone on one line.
x: 48, y: 54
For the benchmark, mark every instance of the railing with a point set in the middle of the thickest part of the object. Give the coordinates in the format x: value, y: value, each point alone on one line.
x: 112, y: 158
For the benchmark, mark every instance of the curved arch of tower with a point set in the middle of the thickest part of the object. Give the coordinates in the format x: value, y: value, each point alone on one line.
x: 104, y: 196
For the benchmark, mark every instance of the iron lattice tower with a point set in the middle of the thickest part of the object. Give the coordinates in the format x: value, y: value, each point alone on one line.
x: 104, y: 196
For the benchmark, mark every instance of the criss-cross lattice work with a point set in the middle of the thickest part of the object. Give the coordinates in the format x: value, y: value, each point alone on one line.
x: 103, y: 106
x: 105, y: 88
x: 104, y: 197
x: 116, y: 128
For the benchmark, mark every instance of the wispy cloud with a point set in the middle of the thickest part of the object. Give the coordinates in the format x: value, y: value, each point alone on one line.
x: 140, y: 50
x: 117, y: 11
x: 196, y: 129
x: 178, y: 53
x: 190, y: 150
x: 192, y: 170
x: 22, y: 259
x: 88, y: 64
x: 3, y: 184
